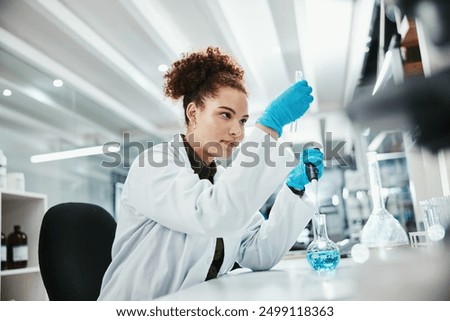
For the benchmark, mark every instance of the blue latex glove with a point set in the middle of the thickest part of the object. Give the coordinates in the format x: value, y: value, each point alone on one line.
x: 288, y: 107
x: 297, y: 177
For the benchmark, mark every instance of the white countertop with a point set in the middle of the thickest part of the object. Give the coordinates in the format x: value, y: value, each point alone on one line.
x: 396, y: 274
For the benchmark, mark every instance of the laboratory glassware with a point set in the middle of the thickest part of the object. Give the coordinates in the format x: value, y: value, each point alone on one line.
x: 435, y: 217
x: 17, y: 249
x: 298, y: 77
x: 382, y: 229
x: 322, y: 253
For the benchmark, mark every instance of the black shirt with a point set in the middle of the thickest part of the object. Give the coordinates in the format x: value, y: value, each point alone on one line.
x: 206, y: 172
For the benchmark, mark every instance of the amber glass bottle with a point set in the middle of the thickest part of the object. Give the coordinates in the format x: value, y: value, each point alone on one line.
x: 3, y: 252
x: 17, y: 254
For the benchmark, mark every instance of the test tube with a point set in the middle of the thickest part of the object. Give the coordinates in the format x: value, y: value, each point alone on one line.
x: 298, y: 77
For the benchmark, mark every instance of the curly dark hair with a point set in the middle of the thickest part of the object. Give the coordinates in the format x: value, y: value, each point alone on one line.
x: 200, y: 75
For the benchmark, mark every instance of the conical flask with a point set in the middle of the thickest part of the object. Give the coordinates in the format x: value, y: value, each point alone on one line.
x: 322, y: 253
x: 381, y: 229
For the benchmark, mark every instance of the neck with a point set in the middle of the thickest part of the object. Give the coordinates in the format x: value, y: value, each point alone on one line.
x: 199, y: 151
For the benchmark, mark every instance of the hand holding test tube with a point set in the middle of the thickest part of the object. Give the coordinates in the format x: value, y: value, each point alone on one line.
x: 287, y: 107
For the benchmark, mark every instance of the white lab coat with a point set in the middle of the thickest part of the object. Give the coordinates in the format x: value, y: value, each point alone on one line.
x: 169, y: 219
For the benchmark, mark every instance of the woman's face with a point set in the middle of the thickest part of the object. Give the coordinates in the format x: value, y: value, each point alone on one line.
x: 217, y: 128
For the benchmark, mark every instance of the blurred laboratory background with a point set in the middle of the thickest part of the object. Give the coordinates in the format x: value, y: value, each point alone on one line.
x: 84, y: 73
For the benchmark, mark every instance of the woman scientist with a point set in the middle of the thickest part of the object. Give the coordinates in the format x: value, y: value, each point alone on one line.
x: 184, y: 220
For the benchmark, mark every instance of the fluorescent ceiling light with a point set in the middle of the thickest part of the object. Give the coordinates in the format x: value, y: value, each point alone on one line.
x: 58, y: 83
x: 81, y: 152
x: 163, y: 68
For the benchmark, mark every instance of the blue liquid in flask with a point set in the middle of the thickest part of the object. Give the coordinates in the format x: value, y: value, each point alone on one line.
x: 323, y: 260
x: 322, y: 253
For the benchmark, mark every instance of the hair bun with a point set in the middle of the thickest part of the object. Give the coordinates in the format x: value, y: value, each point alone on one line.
x: 201, y: 69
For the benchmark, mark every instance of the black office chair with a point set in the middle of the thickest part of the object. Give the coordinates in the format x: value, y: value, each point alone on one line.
x: 75, y: 250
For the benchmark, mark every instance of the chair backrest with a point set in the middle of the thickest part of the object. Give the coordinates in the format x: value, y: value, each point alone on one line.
x: 75, y: 250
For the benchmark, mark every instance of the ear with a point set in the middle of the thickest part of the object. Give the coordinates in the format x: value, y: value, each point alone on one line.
x: 191, y: 110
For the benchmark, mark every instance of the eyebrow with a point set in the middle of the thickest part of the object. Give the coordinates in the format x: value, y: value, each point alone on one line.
x: 231, y: 110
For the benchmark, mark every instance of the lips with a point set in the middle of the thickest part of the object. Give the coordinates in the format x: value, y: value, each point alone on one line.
x: 230, y: 143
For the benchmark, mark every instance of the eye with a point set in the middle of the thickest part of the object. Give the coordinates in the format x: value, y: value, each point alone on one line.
x: 225, y: 115
x: 243, y: 121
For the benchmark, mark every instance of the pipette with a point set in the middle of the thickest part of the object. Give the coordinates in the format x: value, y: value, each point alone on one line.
x: 313, y: 175
x: 298, y: 77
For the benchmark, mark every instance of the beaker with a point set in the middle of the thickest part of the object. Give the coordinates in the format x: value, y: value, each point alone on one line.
x: 433, y: 214
x: 382, y: 229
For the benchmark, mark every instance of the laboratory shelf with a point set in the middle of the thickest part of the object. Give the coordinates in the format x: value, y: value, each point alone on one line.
x: 34, y: 269
x: 27, y: 210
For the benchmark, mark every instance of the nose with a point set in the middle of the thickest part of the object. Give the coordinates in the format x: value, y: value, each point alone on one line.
x: 236, y: 129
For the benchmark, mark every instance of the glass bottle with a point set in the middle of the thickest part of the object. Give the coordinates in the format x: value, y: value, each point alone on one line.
x: 3, y: 251
x: 381, y: 229
x: 17, y: 249
x: 322, y: 253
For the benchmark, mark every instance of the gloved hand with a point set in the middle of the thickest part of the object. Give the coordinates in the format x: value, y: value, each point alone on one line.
x: 286, y: 108
x: 297, y: 177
